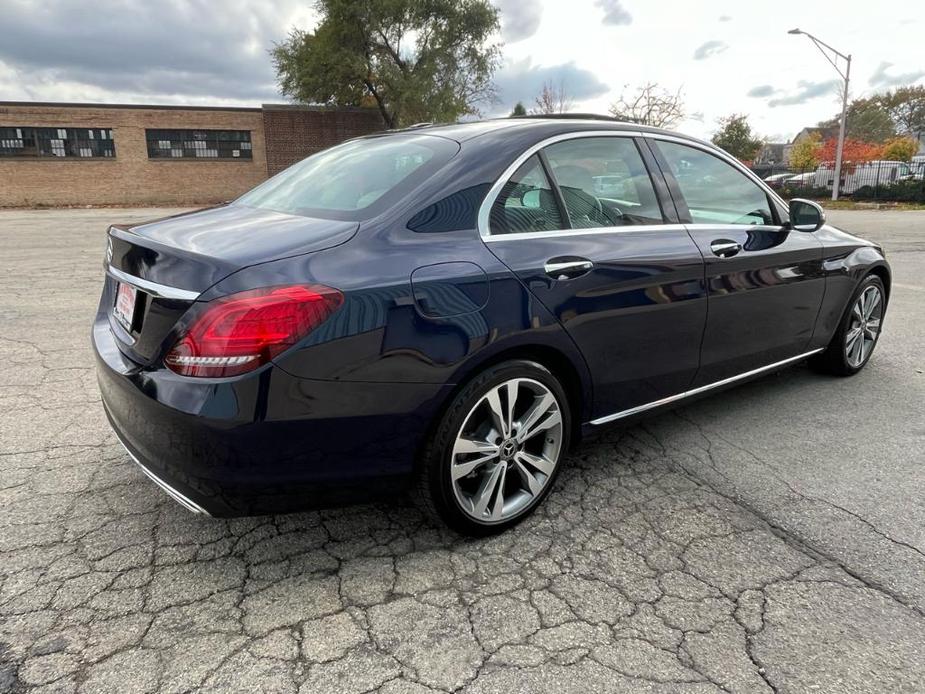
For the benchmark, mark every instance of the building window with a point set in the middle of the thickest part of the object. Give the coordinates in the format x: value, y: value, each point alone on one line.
x: 70, y: 143
x: 199, y: 144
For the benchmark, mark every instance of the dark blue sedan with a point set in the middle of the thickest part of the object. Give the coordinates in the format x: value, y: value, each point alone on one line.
x: 449, y: 308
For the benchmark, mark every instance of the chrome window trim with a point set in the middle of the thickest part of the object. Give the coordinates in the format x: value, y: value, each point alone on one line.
x: 485, y: 208
x: 630, y: 229
x: 734, y: 227
x: 161, y: 291
x: 495, y: 190
x: 702, y: 389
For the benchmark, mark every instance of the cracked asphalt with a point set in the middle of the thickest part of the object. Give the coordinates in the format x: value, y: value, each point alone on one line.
x: 771, y: 538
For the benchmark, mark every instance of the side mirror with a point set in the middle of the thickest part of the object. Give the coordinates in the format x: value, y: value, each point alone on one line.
x: 806, y: 215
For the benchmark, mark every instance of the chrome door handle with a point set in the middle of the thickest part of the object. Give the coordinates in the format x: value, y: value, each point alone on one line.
x: 567, y: 269
x: 724, y: 248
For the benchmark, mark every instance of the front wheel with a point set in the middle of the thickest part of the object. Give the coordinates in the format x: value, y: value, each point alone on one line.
x: 857, y: 334
x: 497, y: 449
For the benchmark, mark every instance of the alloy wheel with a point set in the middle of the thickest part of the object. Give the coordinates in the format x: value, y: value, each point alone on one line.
x: 864, y: 327
x: 506, y: 451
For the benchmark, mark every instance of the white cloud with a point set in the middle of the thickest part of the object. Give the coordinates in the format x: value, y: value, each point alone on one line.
x: 880, y: 78
x: 519, y: 20
x: 614, y: 12
x: 709, y: 49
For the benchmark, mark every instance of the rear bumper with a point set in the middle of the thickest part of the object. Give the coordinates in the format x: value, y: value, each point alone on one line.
x: 266, y: 442
x: 174, y: 494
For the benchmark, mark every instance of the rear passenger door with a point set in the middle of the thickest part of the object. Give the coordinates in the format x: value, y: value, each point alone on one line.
x: 765, y: 279
x: 581, y: 222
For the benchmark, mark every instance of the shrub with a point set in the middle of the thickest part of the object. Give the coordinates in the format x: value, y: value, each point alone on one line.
x: 811, y: 192
x: 902, y: 191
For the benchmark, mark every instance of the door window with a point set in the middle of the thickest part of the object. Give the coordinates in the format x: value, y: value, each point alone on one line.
x: 604, y: 182
x: 526, y: 202
x: 715, y: 192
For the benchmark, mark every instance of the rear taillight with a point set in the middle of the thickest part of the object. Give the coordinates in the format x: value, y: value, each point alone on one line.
x: 239, y: 332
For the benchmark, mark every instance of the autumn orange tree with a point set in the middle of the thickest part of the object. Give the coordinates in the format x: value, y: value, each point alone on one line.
x: 855, y: 151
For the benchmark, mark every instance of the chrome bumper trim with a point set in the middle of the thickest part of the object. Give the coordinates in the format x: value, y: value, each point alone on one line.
x: 185, y: 502
x: 702, y: 389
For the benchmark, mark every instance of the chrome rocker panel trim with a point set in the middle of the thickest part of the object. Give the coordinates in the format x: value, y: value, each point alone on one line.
x: 702, y: 389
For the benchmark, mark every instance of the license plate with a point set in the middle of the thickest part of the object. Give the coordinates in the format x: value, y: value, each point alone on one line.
x: 124, y: 310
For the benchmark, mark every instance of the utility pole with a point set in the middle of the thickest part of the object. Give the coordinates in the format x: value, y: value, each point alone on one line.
x: 846, y: 75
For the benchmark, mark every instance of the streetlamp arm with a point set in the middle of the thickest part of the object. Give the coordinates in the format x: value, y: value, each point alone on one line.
x: 822, y: 45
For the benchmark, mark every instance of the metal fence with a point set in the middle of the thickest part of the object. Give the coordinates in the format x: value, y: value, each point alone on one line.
x: 883, y: 181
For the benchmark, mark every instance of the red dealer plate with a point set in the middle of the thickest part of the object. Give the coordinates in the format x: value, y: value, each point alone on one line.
x: 124, y: 310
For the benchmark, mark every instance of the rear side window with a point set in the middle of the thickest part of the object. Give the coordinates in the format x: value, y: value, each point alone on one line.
x: 715, y: 192
x: 526, y: 203
x: 354, y: 180
x: 604, y: 182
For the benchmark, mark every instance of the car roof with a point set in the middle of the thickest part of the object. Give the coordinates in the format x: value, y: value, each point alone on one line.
x: 553, y: 123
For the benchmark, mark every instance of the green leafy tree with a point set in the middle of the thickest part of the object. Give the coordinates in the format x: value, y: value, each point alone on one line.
x: 736, y: 137
x: 906, y: 107
x: 519, y: 109
x: 414, y: 60
x: 868, y: 121
x: 900, y: 149
x: 804, y: 155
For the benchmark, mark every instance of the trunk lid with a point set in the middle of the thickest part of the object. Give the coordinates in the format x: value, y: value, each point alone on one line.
x: 170, y: 261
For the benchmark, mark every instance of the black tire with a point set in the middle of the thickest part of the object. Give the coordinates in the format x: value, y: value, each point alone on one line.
x: 434, y: 481
x: 834, y: 360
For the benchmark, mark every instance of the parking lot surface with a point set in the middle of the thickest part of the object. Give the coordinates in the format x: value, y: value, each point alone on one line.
x: 770, y: 538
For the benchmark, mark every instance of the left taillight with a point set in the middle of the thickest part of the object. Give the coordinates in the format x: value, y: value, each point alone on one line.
x: 240, y: 332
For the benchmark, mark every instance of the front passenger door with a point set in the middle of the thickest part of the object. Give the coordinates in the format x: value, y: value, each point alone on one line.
x: 765, y: 281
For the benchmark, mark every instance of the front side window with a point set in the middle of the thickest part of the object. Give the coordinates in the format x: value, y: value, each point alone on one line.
x: 353, y: 180
x: 715, y: 192
x: 604, y: 182
x: 77, y: 143
x: 199, y: 144
x: 526, y: 203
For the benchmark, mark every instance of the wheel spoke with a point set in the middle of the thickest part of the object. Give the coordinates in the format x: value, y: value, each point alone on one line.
x: 854, y: 353
x: 539, y: 463
x: 460, y: 470
x: 512, y: 388
x: 467, y: 445
x: 872, y: 302
x: 858, y: 311
x: 493, y: 398
x: 497, y: 510
x: 864, y: 349
x: 487, y: 488
x: 852, y: 336
x: 533, y: 485
x: 538, y: 418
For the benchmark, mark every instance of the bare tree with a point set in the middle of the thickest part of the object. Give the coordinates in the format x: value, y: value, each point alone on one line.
x: 650, y: 105
x: 552, y: 99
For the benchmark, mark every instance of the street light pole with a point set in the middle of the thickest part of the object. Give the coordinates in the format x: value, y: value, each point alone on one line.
x: 846, y: 75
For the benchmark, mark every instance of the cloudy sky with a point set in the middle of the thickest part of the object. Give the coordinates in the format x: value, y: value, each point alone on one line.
x: 726, y: 55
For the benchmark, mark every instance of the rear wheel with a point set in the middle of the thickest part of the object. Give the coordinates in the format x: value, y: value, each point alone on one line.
x: 854, y: 341
x: 497, y: 449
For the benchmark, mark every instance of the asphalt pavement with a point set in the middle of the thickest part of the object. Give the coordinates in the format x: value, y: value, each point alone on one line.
x: 769, y: 538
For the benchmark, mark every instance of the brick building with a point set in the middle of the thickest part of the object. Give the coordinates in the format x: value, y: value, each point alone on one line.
x: 98, y: 154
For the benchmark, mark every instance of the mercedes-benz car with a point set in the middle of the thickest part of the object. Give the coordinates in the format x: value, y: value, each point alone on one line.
x: 447, y: 309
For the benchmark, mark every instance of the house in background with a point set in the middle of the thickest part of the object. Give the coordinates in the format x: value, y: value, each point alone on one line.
x: 771, y: 154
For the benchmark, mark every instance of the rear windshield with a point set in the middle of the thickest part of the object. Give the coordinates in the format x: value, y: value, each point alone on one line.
x: 355, y: 180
